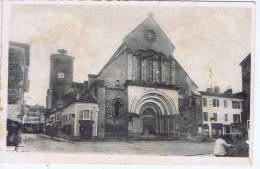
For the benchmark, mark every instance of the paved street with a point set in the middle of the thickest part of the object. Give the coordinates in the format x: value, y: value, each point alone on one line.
x: 38, y: 143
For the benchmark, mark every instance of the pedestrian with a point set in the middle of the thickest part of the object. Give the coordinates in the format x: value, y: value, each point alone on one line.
x: 17, y: 140
x: 221, y: 147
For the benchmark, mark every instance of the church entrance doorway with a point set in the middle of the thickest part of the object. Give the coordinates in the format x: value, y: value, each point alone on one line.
x: 149, y: 122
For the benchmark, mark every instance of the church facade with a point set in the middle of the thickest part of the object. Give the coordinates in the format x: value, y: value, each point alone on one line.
x: 143, y: 90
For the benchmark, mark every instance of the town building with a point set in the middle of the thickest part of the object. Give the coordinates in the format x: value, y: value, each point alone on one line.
x: 246, y: 77
x: 220, y: 111
x: 77, y: 121
x: 18, y: 84
x: 33, y: 120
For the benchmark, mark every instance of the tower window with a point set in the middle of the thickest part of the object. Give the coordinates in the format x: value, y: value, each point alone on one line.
x: 61, y: 75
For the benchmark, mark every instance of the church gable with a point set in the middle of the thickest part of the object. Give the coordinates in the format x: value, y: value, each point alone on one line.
x: 148, y: 35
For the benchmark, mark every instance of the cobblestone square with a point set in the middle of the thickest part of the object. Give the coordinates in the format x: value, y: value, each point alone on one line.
x: 36, y: 143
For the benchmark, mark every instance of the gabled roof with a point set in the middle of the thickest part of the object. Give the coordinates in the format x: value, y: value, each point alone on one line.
x: 88, y: 99
x: 150, y: 20
x: 118, y: 51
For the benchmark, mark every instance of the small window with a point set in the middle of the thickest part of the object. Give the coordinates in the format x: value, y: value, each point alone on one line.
x: 91, y: 115
x: 86, y: 114
x: 225, y: 103
x: 215, y: 117
x: 70, y: 116
x: 205, y: 102
x: 235, y: 104
x: 226, y: 117
x: 215, y: 102
x: 236, y: 118
x: 61, y: 75
x: 117, y: 82
x: 205, y: 116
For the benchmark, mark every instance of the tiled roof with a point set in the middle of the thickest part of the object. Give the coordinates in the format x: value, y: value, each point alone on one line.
x: 88, y: 99
x: 235, y: 95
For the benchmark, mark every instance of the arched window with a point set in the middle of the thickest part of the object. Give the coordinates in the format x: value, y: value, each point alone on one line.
x: 139, y: 68
x: 159, y: 70
x: 149, y: 68
x: 117, y: 108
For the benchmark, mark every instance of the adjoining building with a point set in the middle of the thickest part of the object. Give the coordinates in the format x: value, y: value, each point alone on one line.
x: 246, y: 77
x: 77, y: 120
x: 18, y: 84
x: 220, y: 111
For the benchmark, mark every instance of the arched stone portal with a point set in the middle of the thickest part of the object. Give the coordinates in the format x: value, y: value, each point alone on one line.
x: 153, y: 113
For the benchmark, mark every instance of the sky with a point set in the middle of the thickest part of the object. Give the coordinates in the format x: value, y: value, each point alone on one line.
x: 215, y: 38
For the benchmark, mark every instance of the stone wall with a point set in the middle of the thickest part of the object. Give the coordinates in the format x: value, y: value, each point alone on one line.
x: 111, y: 94
x: 115, y: 74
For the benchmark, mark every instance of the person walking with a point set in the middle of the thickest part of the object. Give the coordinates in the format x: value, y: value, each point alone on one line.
x: 221, y: 147
x: 17, y: 139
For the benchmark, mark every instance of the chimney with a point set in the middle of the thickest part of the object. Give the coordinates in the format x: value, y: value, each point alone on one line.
x: 91, y: 79
x: 85, y: 86
x: 228, y: 91
x: 216, y: 90
x: 210, y: 90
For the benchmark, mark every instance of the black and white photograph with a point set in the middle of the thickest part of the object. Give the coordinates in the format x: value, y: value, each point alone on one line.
x: 161, y: 80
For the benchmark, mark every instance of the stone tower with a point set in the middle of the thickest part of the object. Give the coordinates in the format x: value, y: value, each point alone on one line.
x: 61, y: 78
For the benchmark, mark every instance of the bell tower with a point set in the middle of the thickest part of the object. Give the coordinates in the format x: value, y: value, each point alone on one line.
x: 61, y: 77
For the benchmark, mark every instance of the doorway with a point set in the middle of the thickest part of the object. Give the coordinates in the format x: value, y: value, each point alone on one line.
x: 86, y: 129
x: 149, y: 122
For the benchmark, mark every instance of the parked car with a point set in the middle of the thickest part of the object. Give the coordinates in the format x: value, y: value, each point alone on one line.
x: 240, y: 147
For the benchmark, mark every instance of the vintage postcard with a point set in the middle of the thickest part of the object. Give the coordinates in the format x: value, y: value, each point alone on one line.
x: 127, y: 83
